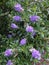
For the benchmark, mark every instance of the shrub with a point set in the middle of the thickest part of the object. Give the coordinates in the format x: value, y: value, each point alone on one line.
x: 24, y: 29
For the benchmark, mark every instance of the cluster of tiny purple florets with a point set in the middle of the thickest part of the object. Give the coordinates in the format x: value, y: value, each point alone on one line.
x: 9, y: 62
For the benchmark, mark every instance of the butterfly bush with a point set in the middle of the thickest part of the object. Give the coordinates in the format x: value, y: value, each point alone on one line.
x: 23, y: 32
x: 9, y: 62
x: 36, y: 54
x: 23, y: 41
x: 14, y: 26
x: 8, y: 52
x: 9, y: 35
x: 18, y: 7
x: 29, y: 29
x: 17, y: 18
x: 34, y: 18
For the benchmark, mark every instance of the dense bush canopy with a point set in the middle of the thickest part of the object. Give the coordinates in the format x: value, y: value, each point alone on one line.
x: 24, y: 31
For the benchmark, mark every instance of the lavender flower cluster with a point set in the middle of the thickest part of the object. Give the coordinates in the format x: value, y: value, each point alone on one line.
x: 9, y: 62
x: 29, y: 29
x: 35, y: 53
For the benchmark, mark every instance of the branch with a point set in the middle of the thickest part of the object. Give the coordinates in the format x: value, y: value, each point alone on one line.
x: 4, y: 14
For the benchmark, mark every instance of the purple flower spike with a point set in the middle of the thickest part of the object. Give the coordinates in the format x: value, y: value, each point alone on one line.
x: 8, y: 52
x: 14, y: 26
x: 36, y: 54
x: 9, y: 62
x: 23, y: 41
x: 18, y: 8
x: 9, y: 35
x: 34, y: 18
x: 17, y: 18
x: 29, y: 29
